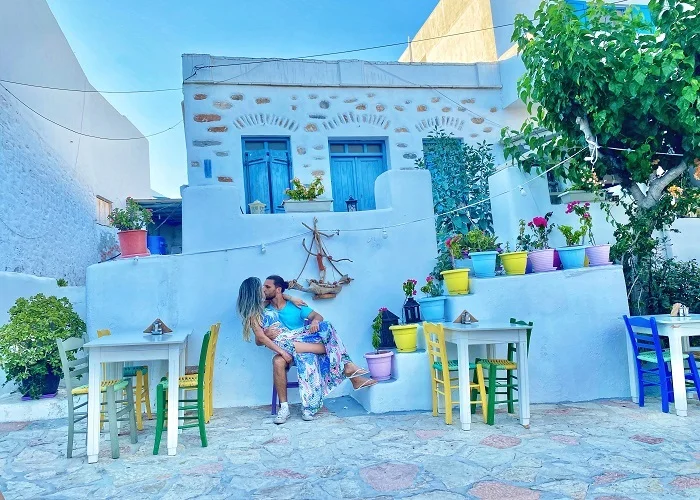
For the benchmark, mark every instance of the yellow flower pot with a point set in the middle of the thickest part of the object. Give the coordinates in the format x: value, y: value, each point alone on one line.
x: 405, y: 337
x: 514, y: 262
x: 456, y: 281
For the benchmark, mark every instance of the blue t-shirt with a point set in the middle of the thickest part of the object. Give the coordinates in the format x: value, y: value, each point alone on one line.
x: 292, y: 316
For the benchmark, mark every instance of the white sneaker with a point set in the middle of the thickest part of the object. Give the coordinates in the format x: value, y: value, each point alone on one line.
x: 307, y: 415
x: 282, y: 415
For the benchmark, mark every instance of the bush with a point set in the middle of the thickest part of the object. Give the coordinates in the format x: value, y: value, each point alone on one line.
x: 28, y: 349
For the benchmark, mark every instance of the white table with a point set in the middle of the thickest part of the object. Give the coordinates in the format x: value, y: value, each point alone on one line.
x: 676, y: 329
x: 123, y: 346
x: 489, y: 334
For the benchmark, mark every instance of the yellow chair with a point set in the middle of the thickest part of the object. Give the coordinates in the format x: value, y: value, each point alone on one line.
x: 141, y: 390
x: 190, y: 380
x: 442, y: 382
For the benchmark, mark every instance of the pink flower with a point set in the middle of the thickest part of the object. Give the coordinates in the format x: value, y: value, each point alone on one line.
x: 586, y: 215
x: 540, y: 222
x: 429, y: 279
x: 587, y: 205
x: 530, y: 224
x: 382, y: 309
x: 414, y: 292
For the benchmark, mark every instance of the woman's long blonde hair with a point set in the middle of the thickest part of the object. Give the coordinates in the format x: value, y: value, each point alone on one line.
x: 250, y: 305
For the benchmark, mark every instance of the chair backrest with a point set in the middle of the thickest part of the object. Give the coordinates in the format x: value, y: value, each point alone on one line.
x: 211, y: 353
x: 437, y: 348
x: 644, y: 336
x: 513, y: 348
x: 203, y: 364
x: 75, y: 365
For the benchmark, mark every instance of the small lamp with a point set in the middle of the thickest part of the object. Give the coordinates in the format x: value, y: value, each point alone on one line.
x: 411, y: 311
x: 387, y: 337
x: 351, y: 204
x: 257, y: 207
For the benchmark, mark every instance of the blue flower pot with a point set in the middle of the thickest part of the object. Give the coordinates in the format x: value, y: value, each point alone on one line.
x: 484, y: 264
x: 572, y: 257
x: 432, y: 309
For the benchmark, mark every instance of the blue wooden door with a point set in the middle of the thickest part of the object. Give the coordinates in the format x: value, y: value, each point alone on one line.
x: 355, y: 166
x: 267, y: 172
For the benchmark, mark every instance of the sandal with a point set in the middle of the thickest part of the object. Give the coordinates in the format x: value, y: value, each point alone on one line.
x: 367, y: 383
x: 358, y: 373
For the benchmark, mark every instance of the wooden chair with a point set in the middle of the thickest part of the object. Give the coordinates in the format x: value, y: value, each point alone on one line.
x: 504, y: 385
x: 75, y: 372
x: 143, y: 396
x: 192, y: 370
x: 441, y: 379
x: 193, y: 409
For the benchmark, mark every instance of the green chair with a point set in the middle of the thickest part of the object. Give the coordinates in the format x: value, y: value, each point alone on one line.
x: 75, y: 372
x: 503, y: 385
x: 193, y: 409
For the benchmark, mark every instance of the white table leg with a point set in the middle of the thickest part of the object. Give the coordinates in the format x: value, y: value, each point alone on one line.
x: 523, y: 381
x: 632, y: 368
x: 173, y: 392
x: 678, y: 374
x: 465, y: 413
x: 93, y: 406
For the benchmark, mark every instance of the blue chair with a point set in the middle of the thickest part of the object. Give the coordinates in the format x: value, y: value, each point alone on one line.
x: 653, y: 361
x: 290, y: 385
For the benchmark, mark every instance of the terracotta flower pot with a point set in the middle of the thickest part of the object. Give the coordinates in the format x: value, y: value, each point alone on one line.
x: 133, y: 243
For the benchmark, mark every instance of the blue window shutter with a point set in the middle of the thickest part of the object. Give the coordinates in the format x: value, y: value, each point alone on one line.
x: 207, y: 169
x: 644, y: 9
x: 579, y: 9
x: 343, y: 181
x: 366, y: 172
x: 279, y: 177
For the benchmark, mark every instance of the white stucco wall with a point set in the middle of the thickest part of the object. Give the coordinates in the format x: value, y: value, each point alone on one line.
x: 16, y: 285
x: 685, y: 244
x: 50, y: 176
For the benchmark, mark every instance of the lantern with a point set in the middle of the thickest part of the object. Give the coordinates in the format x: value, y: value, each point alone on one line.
x: 411, y: 311
x: 388, y: 319
x: 257, y: 207
x: 351, y: 204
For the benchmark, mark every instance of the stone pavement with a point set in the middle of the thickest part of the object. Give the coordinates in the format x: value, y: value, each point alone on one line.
x: 605, y: 449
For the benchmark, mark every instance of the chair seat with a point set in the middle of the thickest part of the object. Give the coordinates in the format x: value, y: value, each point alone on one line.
x: 184, y: 382
x: 451, y: 365
x: 500, y: 364
x: 650, y: 356
x: 130, y: 371
x: 116, y: 385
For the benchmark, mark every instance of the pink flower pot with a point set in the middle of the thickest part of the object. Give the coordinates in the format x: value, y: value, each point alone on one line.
x: 133, y: 243
x: 598, y: 255
x: 542, y: 260
x: 379, y: 364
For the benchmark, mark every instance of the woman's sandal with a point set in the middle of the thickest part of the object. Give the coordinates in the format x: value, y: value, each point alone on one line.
x: 367, y: 383
x: 358, y: 373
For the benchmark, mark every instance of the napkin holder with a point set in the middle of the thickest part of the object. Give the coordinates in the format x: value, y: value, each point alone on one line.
x: 465, y: 317
x: 157, y: 328
x: 680, y: 310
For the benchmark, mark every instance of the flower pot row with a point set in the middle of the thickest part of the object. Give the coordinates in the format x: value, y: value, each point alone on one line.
x: 572, y: 257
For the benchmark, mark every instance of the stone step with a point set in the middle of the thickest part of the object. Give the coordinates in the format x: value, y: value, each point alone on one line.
x: 13, y: 409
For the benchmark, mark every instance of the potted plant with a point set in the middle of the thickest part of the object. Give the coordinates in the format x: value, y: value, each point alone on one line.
x: 28, y: 349
x: 433, y: 304
x: 483, y: 251
x: 584, y: 190
x: 459, y: 252
x: 406, y: 335
x: 573, y: 254
x: 379, y: 362
x: 598, y: 255
x: 542, y: 257
x: 305, y: 198
x: 515, y: 262
x: 131, y: 223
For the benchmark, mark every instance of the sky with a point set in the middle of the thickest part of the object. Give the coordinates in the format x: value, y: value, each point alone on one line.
x: 134, y: 44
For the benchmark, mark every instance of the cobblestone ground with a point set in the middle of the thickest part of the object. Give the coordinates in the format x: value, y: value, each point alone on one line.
x: 606, y: 449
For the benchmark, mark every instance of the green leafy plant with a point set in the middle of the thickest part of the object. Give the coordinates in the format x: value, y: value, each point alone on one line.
x: 584, y: 218
x: 300, y: 192
x: 573, y: 237
x: 131, y: 218
x: 28, y: 350
x: 409, y: 288
x: 376, y: 330
x: 457, y: 246
x: 481, y: 241
x: 61, y: 282
x: 432, y: 287
x: 523, y: 242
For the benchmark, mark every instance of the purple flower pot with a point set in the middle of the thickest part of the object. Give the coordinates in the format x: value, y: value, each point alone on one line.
x: 598, y: 255
x: 542, y: 260
x: 379, y: 364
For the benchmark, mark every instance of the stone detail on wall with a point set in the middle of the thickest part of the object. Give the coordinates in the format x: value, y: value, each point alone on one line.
x: 351, y: 100
x: 435, y: 99
x: 301, y: 150
x: 361, y: 107
x: 401, y: 130
x: 488, y: 129
x: 410, y: 156
x: 204, y: 144
x: 317, y: 117
x: 493, y: 110
x: 224, y: 179
x: 294, y: 98
x: 222, y: 105
x: 207, y: 117
x: 473, y: 135
x: 319, y: 158
x: 461, y: 109
x: 478, y: 120
x: 222, y: 128
x: 194, y: 163
x: 334, y: 97
x: 398, y: 107
x: 380, y: 108
x: 422, y: 108
x: 319, y: 147
x: 440, y: 121
x: 307, y: 165
x: 311, y: 127
x: 324, y: 104
x: 294, y: 107
x: 350, y: 117
x: 200, y: 97
x: 468, y: 101
x: 253, y: 119
x: 237, y: 97
x: 408, y: 101
x: 371, y: 95
x: 221, y: 153
x: 313, y: 96
x: 262, y: 100
x: 318, y: 173
x: 401, y: 145
x: 446, y: 109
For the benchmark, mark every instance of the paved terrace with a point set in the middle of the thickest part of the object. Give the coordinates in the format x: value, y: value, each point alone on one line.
x: 606, y: 449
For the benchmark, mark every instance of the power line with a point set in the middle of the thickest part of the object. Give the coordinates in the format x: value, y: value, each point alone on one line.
x: 87, y: 135
x: 93, y: 91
